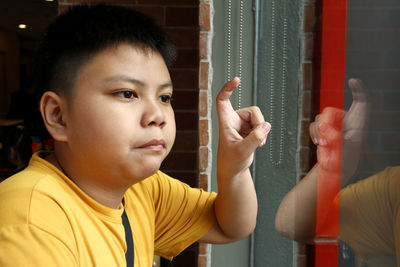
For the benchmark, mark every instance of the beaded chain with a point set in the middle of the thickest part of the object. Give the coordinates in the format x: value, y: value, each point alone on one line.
x: 229, y: 46
x: 273, y: 87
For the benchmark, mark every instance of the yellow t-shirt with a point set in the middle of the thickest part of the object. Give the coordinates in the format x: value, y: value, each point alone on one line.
x: 370, y: 218
x: 46, y: 220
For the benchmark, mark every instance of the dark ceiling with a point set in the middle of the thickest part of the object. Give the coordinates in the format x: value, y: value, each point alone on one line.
x: 36, y: 14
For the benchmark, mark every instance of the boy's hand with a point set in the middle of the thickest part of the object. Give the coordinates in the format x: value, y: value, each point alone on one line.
x: 241, y: 132
x: 334, y: 126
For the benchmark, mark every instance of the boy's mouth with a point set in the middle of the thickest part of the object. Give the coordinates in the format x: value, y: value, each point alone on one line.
x: 155, y: 144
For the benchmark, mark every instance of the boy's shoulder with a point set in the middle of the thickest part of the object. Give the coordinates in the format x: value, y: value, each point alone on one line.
x: 35, y: 190
x: 387, y: 179
x: 38, y: 174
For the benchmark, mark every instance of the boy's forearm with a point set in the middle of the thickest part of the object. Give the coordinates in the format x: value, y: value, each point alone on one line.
x: 241, y: 132
x: 236, y: 205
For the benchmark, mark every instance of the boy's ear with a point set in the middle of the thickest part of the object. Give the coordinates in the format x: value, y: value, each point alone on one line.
x: 53, y: 110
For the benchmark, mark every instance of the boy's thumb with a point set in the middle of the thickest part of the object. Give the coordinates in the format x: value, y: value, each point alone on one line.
x: 357, y: 91
x: 256, y: 137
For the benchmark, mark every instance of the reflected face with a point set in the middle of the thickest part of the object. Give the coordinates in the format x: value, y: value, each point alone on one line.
x: 120, y: 121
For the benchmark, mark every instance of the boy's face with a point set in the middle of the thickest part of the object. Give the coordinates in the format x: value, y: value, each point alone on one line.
x: 120, y: 123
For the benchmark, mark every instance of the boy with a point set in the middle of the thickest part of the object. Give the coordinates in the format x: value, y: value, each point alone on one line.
x: 369, y: 209
x: 106, y: 103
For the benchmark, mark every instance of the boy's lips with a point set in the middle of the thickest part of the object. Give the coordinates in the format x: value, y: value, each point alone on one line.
x: 155, y: 144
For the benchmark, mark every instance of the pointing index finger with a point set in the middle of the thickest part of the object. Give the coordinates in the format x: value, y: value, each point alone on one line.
x: 227, y: 90
x: 357, y: 90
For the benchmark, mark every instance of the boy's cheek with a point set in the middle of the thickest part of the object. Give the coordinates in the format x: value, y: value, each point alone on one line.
x: 172, y: 141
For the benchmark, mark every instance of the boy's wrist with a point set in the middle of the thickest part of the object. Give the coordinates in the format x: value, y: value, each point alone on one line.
x: 228, y: 176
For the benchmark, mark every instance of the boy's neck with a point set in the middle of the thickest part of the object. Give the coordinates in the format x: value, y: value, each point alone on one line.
x: 104, y: 196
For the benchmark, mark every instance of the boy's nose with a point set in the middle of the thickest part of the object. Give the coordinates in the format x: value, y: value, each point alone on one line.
x: 153, y: 115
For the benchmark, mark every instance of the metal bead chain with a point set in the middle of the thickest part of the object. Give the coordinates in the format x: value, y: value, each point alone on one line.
x: 272, y: 86
x: 240, y: 52
x: 272, y: 80
x: 229, y: 40
x: 229, y: 46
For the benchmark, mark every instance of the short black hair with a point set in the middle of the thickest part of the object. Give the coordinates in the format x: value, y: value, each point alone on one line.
x: 77, y: 35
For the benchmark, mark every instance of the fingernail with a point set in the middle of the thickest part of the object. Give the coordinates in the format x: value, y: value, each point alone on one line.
x: 323, y: 142
x: 266, y: 127
x: 263, y: 142
x: 315, y: 141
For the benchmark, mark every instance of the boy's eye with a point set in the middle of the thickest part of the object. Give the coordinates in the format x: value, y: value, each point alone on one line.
x: 126, y: 94
x: 165, y: 98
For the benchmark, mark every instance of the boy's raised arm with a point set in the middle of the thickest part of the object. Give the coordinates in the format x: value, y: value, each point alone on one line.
x: 241, y: 132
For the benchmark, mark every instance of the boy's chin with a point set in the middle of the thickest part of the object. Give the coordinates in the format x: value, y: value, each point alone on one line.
x: 142, y: 170
x: 146, y: 173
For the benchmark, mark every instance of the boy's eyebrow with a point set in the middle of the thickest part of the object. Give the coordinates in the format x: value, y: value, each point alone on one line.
x: 131, y: 80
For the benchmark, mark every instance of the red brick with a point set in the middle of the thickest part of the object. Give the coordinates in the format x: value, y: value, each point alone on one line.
x: 304, y: 159
x: 305, y: 134
x: 184, y: 38
x: 301, y: 248
x: 187, y: 58
x: 307, y: 76
x: 168, y: 2
x: 203, y: 183
x: 187, y: 100
x: 301, y: 261
x: 203, y: 132
x: 186, y: 258
x: 155, y: 12
x: 203, y: 75
x: 186, y: 120
x: 203, y: 45
x: 203, y: 159
x: 309, y: 18
x: 184, y: 78
x: 204, y: 17
x: 187, y: 177
x: 203, y: 104
x: 308, y: 47
x: 307, y: 105
x: 202, y: 261
x: 182, y: 16
x: 186, y: 141
x: 194, y: 247
x: 203, y: 246
x: 100, y: 1
x: 180, y: 161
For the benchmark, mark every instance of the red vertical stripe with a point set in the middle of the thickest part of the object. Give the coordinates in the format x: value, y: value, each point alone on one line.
x: 326, y: 255
x: 332, y: 70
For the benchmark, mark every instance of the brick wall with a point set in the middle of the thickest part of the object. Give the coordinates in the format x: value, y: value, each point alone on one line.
x: 180, y: 19
x: 205, y: 37
x: 308, y: 105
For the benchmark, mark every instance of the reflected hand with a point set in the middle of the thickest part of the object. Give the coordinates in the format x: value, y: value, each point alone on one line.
x: 354, y: 118
x: 333, y: 126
